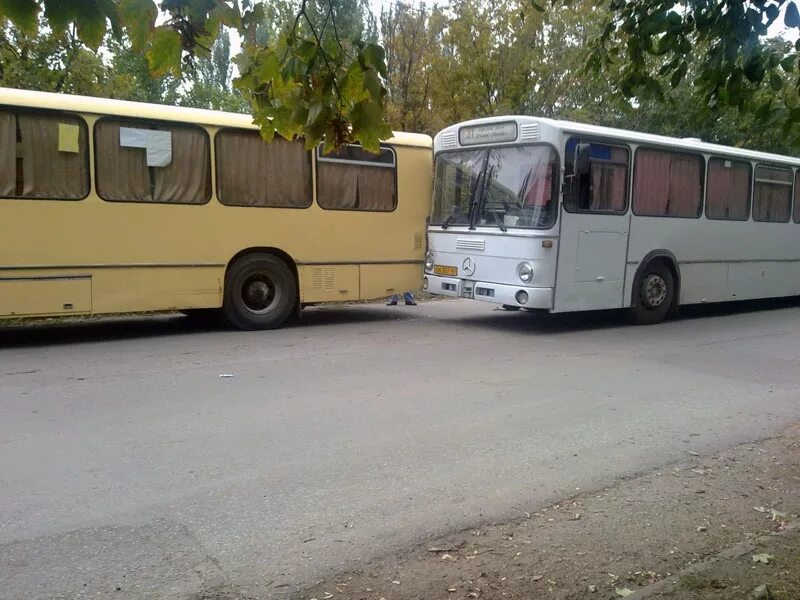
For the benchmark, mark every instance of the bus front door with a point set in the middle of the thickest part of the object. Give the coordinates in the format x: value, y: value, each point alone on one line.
x: 592, y: 254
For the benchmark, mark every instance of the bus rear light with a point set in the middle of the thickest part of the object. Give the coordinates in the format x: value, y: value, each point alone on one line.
x: 425, y: 283
x: 521, y: 297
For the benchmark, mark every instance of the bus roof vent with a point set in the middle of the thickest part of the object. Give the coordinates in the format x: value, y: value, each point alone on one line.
x: 449, y: 140
x: 528, y: 132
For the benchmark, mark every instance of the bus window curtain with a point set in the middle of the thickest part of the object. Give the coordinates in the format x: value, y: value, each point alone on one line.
x: 46, y: 171
x: 253, y: 173
x: 651, y: 182
x: 797, y: 197
x: 375, y: 188
x: 772, y: 202
x: 122, y: 172
x: 685, y: 189
x: 728, y: 190
x: 8, y: 154
x: 187, y: 179
x: 609, y: 183
x: 337, y: 186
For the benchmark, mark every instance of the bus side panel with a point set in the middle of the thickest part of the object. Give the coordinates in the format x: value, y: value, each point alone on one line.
x: 378, y: 281
x: 154, y: 289
x: 43, y: 295
x: 721, y: 260
x: 328, y: 283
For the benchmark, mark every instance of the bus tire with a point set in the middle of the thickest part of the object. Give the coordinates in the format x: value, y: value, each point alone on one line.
x: 260, y: 292
x: 654, y: 294
x: 511, y: 307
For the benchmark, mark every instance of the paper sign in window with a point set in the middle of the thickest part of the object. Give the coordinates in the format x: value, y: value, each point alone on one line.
x: 157, y: 144
x: 159, y: 148
x: 68, y: 137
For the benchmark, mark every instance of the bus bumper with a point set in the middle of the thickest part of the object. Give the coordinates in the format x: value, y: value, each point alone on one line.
x: 496, y: 293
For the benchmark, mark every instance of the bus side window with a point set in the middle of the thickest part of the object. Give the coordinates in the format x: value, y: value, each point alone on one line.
x: 43, y: 155
x: 141, y: 161
x: 353, y: 179
x: 605, y: 187
x: 251, y: 172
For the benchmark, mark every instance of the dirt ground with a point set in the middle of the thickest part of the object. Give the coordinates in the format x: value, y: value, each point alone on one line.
x: 658, y: 535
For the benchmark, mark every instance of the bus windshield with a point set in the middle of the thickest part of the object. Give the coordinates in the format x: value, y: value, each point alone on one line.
x: 497, y: 187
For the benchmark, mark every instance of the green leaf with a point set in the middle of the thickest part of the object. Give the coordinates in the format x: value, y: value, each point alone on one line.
x: 368, y: 125
x: 229, y: 15
x: 764, y: 111
x: 164, y: 54
x: 307, y: 50
x: 23, y: 13
x: 138, y: 17
x: 788, y: 64
x: 375, y: 56
x: 792, y: 17
x: 537, y: 6
x: 268, y: 67
x: 775, y: 82
x: 678, y: 74
x: 92, y: 31
x: 772, y: 13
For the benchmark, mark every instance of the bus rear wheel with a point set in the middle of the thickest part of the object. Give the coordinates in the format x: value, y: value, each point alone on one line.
x: 260, y: 292
x: 655, y: 294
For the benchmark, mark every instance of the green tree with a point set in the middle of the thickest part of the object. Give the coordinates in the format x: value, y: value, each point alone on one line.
x: 47, y: 62
x: 310, y: 80
x: 211, y: 85
x: 411, y: 49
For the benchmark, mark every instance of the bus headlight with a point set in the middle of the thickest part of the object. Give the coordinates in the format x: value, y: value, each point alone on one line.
x: 525, y: 272
x: 429, y: 261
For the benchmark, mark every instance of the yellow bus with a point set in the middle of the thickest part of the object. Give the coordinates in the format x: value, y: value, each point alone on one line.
x: 116, y: 207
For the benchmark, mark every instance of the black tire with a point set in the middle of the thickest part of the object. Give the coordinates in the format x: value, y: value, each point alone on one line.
x: 511, y: 307
x: 260, y: 292
x: 654, y: 294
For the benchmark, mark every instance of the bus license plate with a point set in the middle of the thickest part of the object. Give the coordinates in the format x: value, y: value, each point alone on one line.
x: 443, y: 270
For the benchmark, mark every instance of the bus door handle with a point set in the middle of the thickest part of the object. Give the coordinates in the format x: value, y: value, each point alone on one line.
x: 601, y: 278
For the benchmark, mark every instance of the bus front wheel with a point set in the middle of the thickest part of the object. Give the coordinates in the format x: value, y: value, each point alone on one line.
x: 260, y: 292
x: 655, y: 294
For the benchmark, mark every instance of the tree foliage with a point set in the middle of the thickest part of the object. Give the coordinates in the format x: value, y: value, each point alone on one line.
x: 310, y: 80
x: 649, y: 45
x: 320, y: 69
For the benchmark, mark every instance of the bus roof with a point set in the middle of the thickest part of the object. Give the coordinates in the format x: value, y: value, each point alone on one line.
x: 161, y: 112
x: 596, y: 131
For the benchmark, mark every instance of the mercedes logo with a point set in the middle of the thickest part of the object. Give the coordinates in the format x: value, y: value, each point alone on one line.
x: 468, y: 266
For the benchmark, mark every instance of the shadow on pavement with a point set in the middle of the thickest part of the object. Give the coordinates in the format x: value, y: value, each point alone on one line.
x: 72, y: 331
x: 542, y: 322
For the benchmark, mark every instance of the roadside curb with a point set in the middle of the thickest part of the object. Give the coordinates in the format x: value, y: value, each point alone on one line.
x: 731, y: 553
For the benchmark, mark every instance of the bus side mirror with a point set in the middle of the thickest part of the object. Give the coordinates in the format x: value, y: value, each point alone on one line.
x: 583, y: 159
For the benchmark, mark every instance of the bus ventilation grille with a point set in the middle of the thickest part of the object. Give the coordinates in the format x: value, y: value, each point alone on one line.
x: 448, y: 140
x: 418, y: 241
x: 322, y: 278
x: 467, y: 244
x: 528, y: 132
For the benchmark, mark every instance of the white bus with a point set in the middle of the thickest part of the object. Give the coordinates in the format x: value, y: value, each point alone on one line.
x: 557, y: 216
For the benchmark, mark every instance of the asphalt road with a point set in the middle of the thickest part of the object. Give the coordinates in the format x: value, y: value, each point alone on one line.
x: 130, y: 468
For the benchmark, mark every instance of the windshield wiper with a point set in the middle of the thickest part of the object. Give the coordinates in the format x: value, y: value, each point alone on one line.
x: 499, y: 222
x: 447, y: 221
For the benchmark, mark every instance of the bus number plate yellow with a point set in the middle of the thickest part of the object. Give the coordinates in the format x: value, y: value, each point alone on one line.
x: 443, y: 270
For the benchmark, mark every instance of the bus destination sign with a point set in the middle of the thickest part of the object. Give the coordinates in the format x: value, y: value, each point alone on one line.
x: 490, y: 133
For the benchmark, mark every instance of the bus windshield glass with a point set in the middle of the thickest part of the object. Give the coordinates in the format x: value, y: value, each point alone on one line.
x: 497, y: 187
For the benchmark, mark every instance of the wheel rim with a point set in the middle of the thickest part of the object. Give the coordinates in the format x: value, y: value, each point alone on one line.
x: 654, y: 291
x: 259, y: 293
